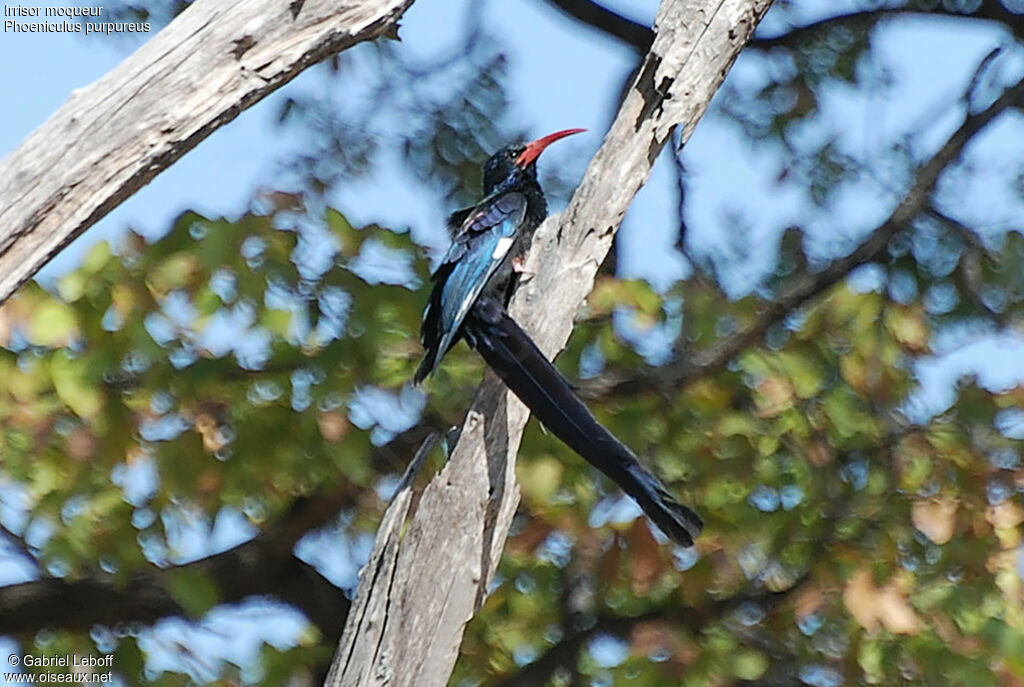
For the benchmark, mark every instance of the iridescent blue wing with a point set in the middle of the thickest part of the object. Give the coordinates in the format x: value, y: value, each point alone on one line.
x: 480, y: 244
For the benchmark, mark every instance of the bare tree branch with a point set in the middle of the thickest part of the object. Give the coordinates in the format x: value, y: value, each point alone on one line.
x: 807, y: 286
x: 263, y: 566
x: 968, y: 235
x: 989, y: 10
x: 363, y: 633
x: 113, y: 136
x: 600, y: 17
x: 21, y: 547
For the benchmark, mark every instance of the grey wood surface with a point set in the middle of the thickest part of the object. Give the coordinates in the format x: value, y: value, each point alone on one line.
x: 436, y: 576
x: 215, y: 59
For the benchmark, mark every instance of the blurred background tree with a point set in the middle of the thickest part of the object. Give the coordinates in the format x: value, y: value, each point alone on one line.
x: 200, y: 429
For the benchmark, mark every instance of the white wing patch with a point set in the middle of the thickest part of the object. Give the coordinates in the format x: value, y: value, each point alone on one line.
x: 502, y: 247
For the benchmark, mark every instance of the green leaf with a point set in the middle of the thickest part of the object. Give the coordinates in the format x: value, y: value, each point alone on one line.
x: 53, y: 324
x: 749, y: 665
x: 804, y: 373
x: 193, y: 591
x: 909, y: 327
x: 277, y: 321
x: 73, y: 383
x: 175, y: 272
x: 97, y: 257
x: 540, y: 478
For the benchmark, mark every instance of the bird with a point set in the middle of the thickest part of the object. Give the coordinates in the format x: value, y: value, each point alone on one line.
x: 472, y: 287
x: 489, y: 240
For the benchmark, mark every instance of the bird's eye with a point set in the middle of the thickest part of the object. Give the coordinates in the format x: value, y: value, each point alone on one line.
x: 512, y: 154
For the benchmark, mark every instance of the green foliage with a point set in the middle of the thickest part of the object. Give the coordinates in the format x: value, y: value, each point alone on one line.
x: 840, y: 534
x: 849, y: 539
x: 193, y: 591
x: 810, y: 479
x: 216, y: 363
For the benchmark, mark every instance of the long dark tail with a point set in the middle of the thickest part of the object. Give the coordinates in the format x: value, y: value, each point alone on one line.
x: 426, y: 366
x: 511, y: 353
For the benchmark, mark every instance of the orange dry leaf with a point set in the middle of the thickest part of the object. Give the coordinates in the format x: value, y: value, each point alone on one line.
x: 1005, y: 515
x: 653, y: 638
x: 209, y: 430
x: 873, y: 606
x: 645, y: 555
x: 776, y: 395
x: 333, y: 425
x: 81, y: 443
x: 820, y: 453
x: 609, y: 563
x: 209, y: 482
x: 8, y: 320
x: 807, y: 602
x: 531, y: 536
x: 935, y: 518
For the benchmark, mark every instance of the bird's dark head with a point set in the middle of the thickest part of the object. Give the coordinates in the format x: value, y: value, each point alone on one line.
x: 515, y: 165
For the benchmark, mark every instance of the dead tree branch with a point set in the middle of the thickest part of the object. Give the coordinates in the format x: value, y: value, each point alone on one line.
x: 807, y: 286
x: 989, y: 10
x: 113, y: 136
x: 263, y: 566
x: 634, y: 34
x: 446, y: 561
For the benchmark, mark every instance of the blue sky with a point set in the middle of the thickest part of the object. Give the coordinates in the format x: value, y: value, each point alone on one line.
x: 220, y: 177
x: 561, y: 76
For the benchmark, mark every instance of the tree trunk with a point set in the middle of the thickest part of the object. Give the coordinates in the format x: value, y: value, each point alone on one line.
x: 213, y: 61
x: 420, y: 589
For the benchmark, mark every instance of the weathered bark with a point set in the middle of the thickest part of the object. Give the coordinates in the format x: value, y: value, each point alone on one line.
x: 213, y: 61
x: 431, y: 581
